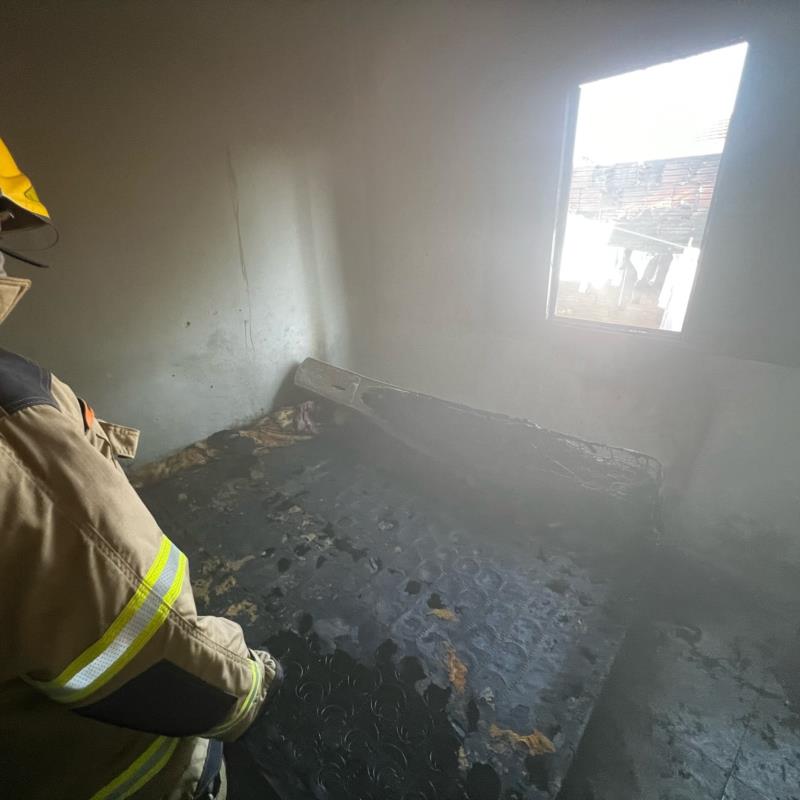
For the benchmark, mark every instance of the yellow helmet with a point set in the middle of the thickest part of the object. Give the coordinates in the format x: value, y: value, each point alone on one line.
x: 18, y: 197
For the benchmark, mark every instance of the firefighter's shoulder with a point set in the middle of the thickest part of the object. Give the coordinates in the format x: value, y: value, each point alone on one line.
x: 23, y: 384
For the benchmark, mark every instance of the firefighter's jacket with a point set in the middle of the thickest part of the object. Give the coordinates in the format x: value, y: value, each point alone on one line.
x: 111, y: 685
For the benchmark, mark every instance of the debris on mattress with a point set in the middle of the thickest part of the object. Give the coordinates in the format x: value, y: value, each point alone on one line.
x: 456, y: 670
x: 286, y: 426
x: 535, y: 742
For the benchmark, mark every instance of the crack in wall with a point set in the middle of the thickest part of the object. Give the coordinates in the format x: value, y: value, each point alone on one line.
x: 242, y: 261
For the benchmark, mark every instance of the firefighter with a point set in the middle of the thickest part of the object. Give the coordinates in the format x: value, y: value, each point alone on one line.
x: 111, y: 685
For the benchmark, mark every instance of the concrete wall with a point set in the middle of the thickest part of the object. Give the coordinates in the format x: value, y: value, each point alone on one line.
x: 186, y: 153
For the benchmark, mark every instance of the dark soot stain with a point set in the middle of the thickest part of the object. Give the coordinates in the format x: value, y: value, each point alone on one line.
x: 435, y: 601
x: 343, y: 543
x: 483, y: 783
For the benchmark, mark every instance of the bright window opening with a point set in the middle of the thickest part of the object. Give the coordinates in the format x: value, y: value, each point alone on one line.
x: 647, y: 148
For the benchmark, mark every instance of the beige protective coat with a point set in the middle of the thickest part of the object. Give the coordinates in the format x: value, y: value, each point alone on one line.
x: 95, y: 602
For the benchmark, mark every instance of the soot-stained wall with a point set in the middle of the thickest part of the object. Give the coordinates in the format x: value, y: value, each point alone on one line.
x: 191, y: 155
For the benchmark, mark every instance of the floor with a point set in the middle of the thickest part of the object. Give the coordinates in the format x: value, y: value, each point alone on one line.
x: 703, y: 701
x: 434, y: 654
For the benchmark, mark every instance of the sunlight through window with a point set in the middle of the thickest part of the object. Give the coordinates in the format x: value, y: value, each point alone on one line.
x: 647, y: 148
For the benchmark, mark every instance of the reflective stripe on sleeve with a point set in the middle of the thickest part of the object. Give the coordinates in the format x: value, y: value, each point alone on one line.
x: 133, y: 628
x: 146, y: 767
x: 257, y: 679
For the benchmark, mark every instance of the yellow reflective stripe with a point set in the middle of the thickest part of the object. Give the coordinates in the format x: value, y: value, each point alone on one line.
x: 133, y: 605
x: 153, y: 771
x: 256, y: 672
x: 140, y: 641
x: 239, y: 713
x: 135, y: 625
x: 142, y: 770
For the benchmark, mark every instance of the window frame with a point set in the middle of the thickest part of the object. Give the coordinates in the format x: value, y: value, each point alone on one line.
x: 562, y: 206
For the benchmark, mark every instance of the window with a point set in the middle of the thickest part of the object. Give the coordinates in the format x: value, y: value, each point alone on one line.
x: 645, y: 158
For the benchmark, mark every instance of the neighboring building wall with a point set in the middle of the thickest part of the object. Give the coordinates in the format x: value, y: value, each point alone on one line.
x: 668, y: 198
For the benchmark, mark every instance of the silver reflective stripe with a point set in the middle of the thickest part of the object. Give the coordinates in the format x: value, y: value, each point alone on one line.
x: 144, y: 615
x: 132, y: 629
x: 146, y: 767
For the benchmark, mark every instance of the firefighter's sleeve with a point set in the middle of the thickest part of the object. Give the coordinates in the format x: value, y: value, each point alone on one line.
x: 104, y: 620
